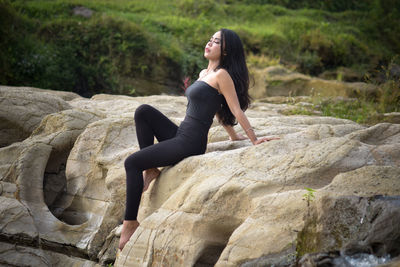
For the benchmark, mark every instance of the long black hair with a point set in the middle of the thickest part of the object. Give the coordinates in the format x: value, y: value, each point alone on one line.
x: 234, y: 62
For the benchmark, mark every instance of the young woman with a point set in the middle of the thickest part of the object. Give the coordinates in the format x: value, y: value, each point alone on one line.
x: 221, y: 89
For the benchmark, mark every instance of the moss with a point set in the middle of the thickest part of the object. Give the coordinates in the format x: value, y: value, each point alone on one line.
x: 275, y: 83
x: 307, y: 239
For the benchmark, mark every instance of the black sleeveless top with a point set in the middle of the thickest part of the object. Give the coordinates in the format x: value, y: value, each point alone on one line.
x: 203, y: 102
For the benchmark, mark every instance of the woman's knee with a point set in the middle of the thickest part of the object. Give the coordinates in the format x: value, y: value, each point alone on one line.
x: 132, y: 162
x: 142, y: 111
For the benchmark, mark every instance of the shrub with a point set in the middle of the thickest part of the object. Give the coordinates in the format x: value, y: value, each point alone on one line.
x: 97, y: 54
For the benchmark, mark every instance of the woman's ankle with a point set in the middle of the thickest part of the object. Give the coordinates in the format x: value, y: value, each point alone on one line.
x: 152, y: 170
x: 128, y: 228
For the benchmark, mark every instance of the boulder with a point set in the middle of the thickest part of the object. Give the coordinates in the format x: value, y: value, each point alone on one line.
x: 235, y: 207
x: 279, y: 81
x: 18, y: 224
x: 67, y: 181
x: 23, y: 108
x: 342, y: 74
x: 392, y: 117
x: 62, y: 189
x: 34, y: 172
x: 15, y: 255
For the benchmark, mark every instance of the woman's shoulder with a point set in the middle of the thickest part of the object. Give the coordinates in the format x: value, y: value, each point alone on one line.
x: 222, y: 71
x: 223, y: 74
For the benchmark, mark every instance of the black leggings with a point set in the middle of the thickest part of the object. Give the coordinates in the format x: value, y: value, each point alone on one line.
x: 174, y: 144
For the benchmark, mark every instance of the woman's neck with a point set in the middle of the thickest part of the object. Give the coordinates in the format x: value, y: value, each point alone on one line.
x: 212, y: 65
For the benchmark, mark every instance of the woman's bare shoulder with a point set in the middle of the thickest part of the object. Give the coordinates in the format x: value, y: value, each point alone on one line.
x: 223, y: 75
x: 222, y: 72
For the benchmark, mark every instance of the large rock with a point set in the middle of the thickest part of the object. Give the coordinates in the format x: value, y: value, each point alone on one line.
x: 279, y: 81
x: 33, y: 172
x: 66, y: 180
x: 15, y: 255
x: 23, y: 108
x: 352, y: 226
x: 234, y: 207
x: 62, y: 189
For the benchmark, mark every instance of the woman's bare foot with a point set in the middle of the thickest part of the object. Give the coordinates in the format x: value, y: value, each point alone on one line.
x: 128, y: 228
x: 148, y: 176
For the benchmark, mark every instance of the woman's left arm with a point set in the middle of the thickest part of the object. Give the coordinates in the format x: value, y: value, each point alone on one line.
x: 233, y: 135
x: 227, y: 88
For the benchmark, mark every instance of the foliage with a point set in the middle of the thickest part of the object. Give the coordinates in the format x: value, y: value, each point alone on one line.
x: 87, y: 56
x: 329, y: 5
x: 43, y: 44
x: 262, y: 61
x: 14, y: 42
x: 319, y: 52
x: 97, y: 52
x: 388, y: 80
x: 309, y: 196
x: 364, y: 109
x: 358, y: 110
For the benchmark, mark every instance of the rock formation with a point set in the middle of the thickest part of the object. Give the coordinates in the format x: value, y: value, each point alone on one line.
x: 62, y: 187
x: 279, y: 81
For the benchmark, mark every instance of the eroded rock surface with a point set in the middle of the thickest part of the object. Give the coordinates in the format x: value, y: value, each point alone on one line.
x: 62, y: 188
x: 23, y: 108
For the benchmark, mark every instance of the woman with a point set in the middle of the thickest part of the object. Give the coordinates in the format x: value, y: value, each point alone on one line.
x: 221, y: 89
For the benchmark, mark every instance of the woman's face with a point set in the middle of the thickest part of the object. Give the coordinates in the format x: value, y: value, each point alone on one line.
x: 212, y: 51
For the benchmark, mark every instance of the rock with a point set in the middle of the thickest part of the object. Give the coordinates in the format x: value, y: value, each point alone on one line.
x: 18, y: 224
x: 14, y: 255
x: 361, y: 225
x: 110, y: 246
x: 69, y: 174
x: 218, y: 201
x: 23, y: 108
x: 120, y: 106
x: 342, y: 74
x: 37, y: 167
x: 394, y: 263
x: 285, y: 99
x: 319, y: 259
x: 63, y: 188
x: 357, y: 226
x: 392, y: 117
x: 278, y: 81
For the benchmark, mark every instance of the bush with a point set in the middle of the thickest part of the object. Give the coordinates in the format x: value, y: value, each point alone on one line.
x: 319, y: 52
x: 388, y: 80
x: 125, y: 42
x: 14, y: 28
x: 364, y: 109
x: 96, y: 52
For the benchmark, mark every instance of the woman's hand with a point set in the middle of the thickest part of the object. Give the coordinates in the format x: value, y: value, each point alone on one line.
x: 237, y: 137
x: 265, y: 139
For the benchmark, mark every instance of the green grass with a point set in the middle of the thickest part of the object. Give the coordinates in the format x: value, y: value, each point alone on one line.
x: 365, y: 109
x: 173, y: 34
x: 360, y: 111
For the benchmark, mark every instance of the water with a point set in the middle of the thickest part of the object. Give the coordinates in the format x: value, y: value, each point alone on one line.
x: 361, y: 260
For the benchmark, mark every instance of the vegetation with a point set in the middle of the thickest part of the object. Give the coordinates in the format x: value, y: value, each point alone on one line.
x: 309, y: 196
x: 364, y: 109
x: 127, y: 45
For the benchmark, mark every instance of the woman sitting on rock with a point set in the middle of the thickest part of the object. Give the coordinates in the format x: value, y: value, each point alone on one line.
x: 221, y: 89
